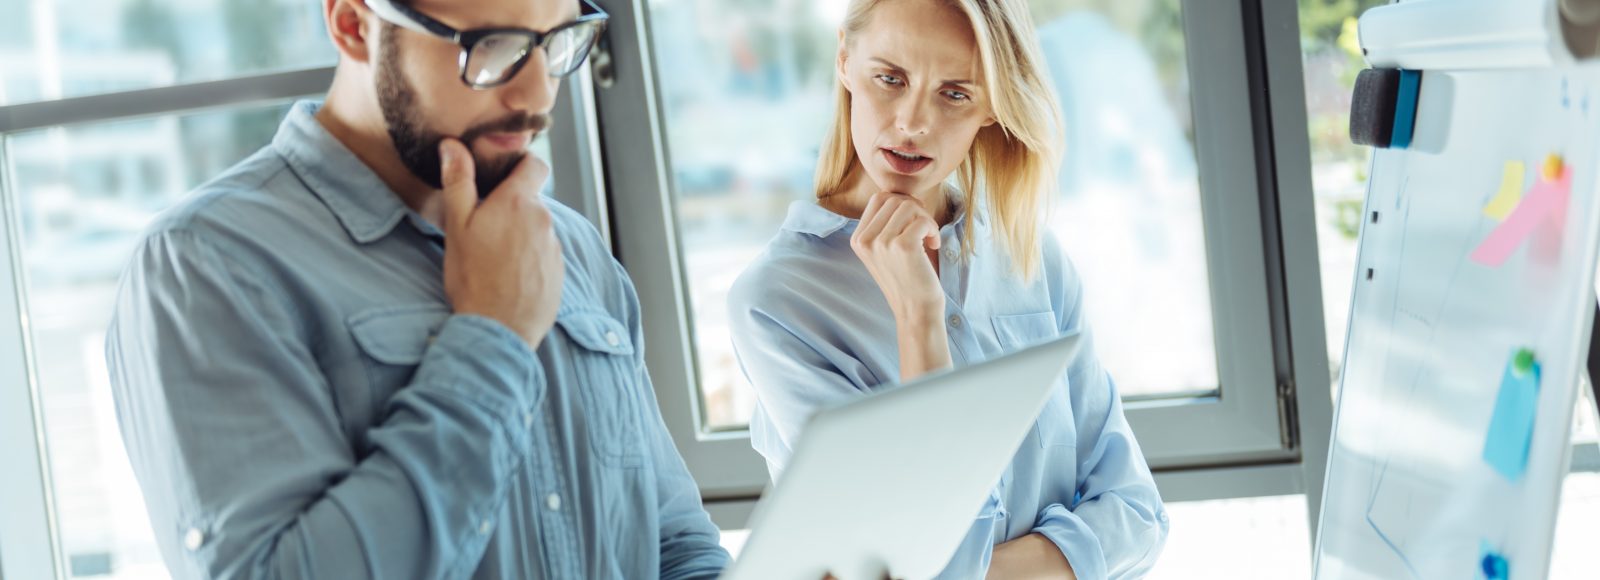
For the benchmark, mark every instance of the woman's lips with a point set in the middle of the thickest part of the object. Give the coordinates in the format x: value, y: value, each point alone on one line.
x: 905, y: 166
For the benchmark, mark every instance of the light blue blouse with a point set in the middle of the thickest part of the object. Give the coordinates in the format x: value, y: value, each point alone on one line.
x: 811, y: 329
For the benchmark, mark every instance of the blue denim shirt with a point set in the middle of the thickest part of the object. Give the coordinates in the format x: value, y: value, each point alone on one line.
x: 298, y: 400
x: 812, y: 329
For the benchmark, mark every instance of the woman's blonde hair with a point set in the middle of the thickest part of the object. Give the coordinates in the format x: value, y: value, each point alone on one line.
x: 1012, y: 162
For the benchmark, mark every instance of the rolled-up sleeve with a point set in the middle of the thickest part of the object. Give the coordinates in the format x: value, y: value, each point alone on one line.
x: 1116, y: 525
x: 235, y: 439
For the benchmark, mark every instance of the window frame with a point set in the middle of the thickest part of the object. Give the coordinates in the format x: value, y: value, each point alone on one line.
x: 29, y: 542
x: 1242, y: 424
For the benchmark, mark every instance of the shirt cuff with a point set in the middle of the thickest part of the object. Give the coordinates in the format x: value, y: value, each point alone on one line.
x: 1075, y: 540
x: 484, y: 361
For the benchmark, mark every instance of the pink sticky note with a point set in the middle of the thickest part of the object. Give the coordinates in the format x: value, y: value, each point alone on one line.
x: 1544, y: 207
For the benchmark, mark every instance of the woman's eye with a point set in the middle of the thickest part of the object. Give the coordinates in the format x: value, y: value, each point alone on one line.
x: 890, y: 80
x: 957, y: 96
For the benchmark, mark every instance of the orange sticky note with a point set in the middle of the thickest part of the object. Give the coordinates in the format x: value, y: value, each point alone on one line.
x: 1552, y: 167
x: 1510, y: 192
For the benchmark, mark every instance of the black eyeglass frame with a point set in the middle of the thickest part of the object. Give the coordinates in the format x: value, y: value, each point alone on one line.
x: 410, y: 18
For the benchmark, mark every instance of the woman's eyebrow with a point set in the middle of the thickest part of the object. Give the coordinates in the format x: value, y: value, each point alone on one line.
x: 886, y: 63
x: 898, y: 68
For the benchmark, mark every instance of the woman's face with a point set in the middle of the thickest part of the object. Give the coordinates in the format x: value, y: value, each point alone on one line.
x: 916, y: 102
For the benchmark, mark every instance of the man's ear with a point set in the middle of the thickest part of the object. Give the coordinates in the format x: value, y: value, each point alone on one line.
x: 840, y: 63
x: 351, y: 29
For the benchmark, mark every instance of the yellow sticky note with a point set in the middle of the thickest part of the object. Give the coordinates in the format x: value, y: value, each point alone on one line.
x: 1510, y: 192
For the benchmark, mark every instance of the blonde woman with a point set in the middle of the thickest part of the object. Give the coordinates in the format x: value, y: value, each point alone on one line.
x: 924, y: 251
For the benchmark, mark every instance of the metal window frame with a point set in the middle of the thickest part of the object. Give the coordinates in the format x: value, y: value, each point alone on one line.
x: 29, y: 542
x: 1242, y: 426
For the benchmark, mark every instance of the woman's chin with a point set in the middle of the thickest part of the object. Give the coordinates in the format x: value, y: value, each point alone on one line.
x: 898, y: 183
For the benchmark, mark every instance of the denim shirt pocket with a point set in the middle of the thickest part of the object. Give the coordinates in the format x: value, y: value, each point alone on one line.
x: 603, y: 363
x: 392, y: 341
x: 1055, y: 425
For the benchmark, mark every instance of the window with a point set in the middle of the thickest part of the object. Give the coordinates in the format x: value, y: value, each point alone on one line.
x: 1158, y: 206
x: 50, y: 50
x: 752, y: 91
x: 79, y: 197
x: 710, y: 113
x: 1331, y: 52
x: 86, y: 193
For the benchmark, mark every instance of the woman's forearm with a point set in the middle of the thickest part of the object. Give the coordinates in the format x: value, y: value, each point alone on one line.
x: 1030, y: 556
x: 924, y: 345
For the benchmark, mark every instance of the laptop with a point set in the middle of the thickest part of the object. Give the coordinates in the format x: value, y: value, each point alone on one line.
x: 889, y: 484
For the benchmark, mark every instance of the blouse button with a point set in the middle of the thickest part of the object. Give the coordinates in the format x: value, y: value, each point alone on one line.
x: 194, y: 539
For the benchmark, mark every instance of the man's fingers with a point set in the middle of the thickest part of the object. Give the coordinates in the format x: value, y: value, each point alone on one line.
x: 457, y: 172
x: 526, y: 179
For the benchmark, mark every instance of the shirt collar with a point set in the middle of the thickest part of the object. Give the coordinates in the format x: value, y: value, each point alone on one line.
x: 362, y: 202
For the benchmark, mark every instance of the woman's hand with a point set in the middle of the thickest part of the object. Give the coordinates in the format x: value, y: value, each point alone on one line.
x: 898, y: 241
x: 894, y: 240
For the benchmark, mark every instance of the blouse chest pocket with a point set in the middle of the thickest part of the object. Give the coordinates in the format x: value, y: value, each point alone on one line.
x: 1055, y: 427
x: 603, y: 364
x: 392, y: 341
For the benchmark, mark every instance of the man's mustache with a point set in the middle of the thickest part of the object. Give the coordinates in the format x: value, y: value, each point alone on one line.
x: 535, y: 122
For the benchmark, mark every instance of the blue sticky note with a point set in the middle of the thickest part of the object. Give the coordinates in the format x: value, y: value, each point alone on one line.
x: 1511, y: 427
x: 1492, y: 565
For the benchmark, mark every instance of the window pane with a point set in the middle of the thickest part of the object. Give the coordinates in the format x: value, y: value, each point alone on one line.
x: 51, y: 49
x: 745, y: 110
x: 1331, y: 53
x: 1129, y: 209
x: 85, y: 194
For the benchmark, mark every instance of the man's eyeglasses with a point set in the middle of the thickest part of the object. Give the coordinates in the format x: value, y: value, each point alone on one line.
x: 490, y: 57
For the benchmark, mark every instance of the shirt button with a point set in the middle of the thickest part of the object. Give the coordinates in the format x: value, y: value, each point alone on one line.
x: 612, y: 339
x: 430, y: 339
x: 527, y: 419
x: 553, y: 501
x: 485, y: 527
x: 955, y: 320
x: 194, y: 539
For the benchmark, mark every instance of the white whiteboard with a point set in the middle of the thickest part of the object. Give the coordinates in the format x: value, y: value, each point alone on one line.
x: 1409, y: 493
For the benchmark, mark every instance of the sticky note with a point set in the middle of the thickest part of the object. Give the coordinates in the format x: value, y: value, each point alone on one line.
x: 1544, y: 208
x: 1511, y: 427
x: 1510, y: 191
x: 1491, y: 564
x: 1552, y: 168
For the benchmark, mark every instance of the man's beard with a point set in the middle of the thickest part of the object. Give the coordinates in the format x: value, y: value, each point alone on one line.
x: 418, y: 145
